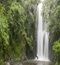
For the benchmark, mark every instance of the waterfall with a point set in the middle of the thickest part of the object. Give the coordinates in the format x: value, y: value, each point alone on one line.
x: 42, y: 36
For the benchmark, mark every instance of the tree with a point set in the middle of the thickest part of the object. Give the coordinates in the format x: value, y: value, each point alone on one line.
x: 12, y: 41
x: 4, y: 31
x: 56, y: 49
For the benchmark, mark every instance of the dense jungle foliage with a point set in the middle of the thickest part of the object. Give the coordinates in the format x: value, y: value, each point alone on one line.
x: 51, y: 14
x: 17, y: 28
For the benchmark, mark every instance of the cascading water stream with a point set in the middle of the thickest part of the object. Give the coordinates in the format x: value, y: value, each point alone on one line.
x: 39, y: 33
x: 46, y: 49
x: 42, y: 37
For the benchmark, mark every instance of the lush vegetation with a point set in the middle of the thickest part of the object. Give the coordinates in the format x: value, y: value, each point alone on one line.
x: 51, y: 14
x: 56, y: 49
x: 17, y: 26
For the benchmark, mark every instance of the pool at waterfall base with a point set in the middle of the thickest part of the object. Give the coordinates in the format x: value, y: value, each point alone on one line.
x: 37, y: 62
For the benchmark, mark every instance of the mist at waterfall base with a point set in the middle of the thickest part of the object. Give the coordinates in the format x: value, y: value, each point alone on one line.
x: 42, y: 37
